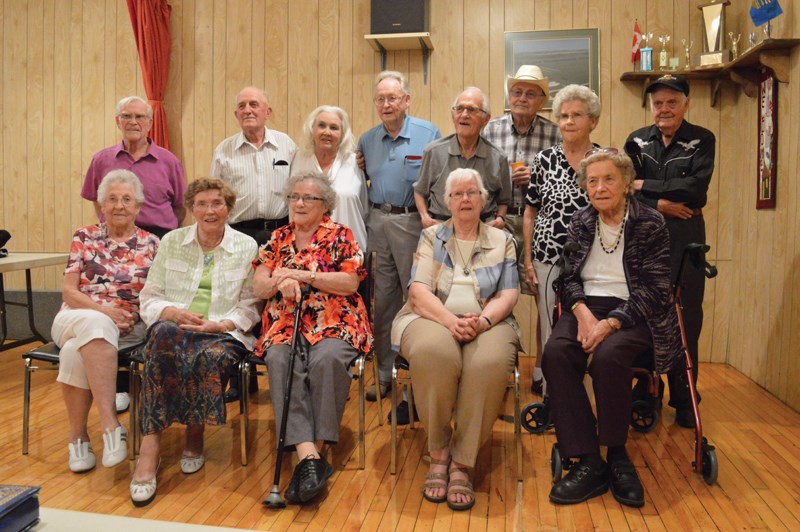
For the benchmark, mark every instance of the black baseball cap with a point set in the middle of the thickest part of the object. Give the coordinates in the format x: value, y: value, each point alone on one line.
x: 676, y: 83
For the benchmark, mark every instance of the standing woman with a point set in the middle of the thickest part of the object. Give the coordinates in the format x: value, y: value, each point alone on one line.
x: 553, y: 197
x: 199, y: 304
x: 328, y: 149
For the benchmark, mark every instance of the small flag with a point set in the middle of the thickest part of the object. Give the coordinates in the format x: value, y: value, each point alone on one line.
x: 762, y: 11
x: 637, y: 41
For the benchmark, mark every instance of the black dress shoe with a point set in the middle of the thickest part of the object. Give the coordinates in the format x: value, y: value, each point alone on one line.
x: 583, y: 482
x: 402, y: 414
x: 384, y: 388
x: 685, y: 417
x: 308, y: 480
x: 232, y: 395
x: 625, y: 484
x: 537, y: 386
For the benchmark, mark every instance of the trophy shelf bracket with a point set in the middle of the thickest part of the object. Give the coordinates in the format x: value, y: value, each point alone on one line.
x: 386, y: 42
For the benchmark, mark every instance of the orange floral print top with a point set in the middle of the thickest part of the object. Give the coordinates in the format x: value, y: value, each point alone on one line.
x: 332, y: 249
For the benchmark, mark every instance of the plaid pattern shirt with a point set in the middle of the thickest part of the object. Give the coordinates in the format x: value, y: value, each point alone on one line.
x: 517, y: 146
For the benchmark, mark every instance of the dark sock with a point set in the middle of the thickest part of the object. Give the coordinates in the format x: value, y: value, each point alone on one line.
x: 594, y: 460
x: 617, y: 454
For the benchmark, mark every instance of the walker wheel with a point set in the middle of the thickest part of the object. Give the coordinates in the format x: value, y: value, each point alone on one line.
x: 644, y: 416
x: 556, y: 465
x: 536, y: 417
x: 710, y: 464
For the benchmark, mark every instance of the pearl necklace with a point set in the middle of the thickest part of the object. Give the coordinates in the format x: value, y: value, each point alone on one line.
x: 606, y: 227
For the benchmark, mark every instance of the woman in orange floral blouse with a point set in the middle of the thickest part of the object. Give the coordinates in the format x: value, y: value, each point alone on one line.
x: 316, y: 252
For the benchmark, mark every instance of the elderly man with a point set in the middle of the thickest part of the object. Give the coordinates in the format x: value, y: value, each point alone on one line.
x: 392, y: 153
x: 255, y: 163
x: 158, y: 169
x: 466, y: 148
x: 521, y: 134
x: 674, y: 161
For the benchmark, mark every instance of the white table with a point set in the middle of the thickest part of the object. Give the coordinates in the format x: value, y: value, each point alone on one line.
x: 17, y: 261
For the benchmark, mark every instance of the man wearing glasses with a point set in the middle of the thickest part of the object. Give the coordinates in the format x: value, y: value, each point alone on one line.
x: 521, y: 134
x: 391, y: 156
x: 255, y: 163
x: 157, y: 168
x: 674, y: 161
x: 466, y: 148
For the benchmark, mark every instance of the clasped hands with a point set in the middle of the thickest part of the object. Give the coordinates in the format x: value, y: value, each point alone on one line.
x: 467, y: 327
x: 192, y: 321
x: 289, y: 282
x: 123, y: 319
x: 591, y: 331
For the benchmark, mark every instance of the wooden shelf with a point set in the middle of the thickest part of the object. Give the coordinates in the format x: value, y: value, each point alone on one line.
x: 772, y: 53
x: 384, y: 42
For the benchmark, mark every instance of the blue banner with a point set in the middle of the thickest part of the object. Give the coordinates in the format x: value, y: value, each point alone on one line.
x: 762, y: 11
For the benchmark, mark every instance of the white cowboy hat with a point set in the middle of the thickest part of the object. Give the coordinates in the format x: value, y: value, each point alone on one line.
x: 529, y: 74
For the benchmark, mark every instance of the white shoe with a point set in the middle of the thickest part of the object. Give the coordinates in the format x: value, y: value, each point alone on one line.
x: 192, y: 464
x: 81, y: 456
x: 122, y: 401
x: 143, y: 493
x: 115, y: 446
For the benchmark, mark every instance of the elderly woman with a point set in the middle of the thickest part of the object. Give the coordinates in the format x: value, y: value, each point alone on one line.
x: 199, y: 305
x: 107, y: 266
x: 619, y: 302
x: 553, y: 197
x: 459, y: 336
x: 328, y: 149
x: 321, y: 255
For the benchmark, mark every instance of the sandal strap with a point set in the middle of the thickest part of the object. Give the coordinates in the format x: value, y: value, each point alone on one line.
x: 437, y: 477
x: 460, y: 486
x: 435, y: 461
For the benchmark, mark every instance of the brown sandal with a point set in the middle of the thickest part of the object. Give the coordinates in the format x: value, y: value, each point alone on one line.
x: 436, y: 481
x: 460, y: 487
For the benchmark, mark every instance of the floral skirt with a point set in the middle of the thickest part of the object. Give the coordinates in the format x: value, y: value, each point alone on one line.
x: 183, y: 376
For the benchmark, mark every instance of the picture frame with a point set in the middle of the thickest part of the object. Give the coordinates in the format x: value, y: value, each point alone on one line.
x: 565, y: 57
x: 766, y: 180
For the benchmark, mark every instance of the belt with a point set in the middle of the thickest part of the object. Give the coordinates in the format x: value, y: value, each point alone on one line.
x: 261, y: 223
x: 388, y: 208
x: 516, y: 211
x: 484, y: 216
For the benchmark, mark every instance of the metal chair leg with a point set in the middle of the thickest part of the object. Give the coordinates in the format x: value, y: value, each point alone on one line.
x: 133, y: 387
x: 377, y: 377
x: 517, y: 423
x: 393, y: 465
x: 362, y: 444
x: 26, y: 404
x: 244, y: 408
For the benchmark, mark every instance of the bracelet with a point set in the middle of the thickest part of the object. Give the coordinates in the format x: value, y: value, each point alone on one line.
x: 488, y: 321
x: 575, y: 305
x: 611, y: 324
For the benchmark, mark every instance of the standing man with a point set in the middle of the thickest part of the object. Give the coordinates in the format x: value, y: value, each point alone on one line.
x: 157, y: 168
x: 392, y: 153
x: 255, y: 163
x: 674, y: 161
x: 521, y: 134
x: 465, y: 148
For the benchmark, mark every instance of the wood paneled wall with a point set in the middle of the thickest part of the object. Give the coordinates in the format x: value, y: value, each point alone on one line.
x: 65, y: 63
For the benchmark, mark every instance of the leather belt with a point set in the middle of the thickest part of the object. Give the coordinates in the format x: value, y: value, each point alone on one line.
x: 388, y: 208
x: 262, y: 223
x: 516, y: 211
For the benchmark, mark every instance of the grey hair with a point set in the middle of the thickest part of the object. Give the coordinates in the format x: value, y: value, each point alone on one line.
x: 572, y: 93
x: 322, y: 183
x: 484, y: 97
x: 393, y: 74
x: 129, y: 99
x: 348, y: 141
x: 620, y: 160
x: 261, y: 92
x: 122, y: 177
x: 464, y: 174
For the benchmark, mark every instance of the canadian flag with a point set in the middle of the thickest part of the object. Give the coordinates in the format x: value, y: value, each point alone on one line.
x: 637, y: 40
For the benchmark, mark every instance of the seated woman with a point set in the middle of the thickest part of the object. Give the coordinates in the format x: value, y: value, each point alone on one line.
x: 199, y: 304
x: 314, y: 252
x: 458, y: 334
x: 107, y: 266
x: 619, y: 303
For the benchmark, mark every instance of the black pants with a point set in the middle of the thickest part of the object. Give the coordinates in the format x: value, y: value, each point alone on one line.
x: 564, y: 364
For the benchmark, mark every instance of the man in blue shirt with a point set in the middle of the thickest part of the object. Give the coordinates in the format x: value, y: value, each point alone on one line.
x: 392, y: 155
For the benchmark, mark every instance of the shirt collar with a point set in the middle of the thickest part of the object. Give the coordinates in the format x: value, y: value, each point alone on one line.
x: 404, y: 131
x: 513, y: 128
x: 227, y: 243
x: 481, y: 151
x: 446, y: 231
x: 148, y: 153
x: 269, y: 139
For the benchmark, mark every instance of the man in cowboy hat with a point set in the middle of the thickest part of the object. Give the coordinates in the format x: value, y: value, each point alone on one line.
x: 521, y: 134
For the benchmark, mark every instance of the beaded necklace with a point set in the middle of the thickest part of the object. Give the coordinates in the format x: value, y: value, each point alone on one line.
x: 619, y: 235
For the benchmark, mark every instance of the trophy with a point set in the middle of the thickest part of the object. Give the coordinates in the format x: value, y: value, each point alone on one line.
x: 713, y: 34
x: 646, y: 61
x: 686, y: 50
x: 735, y: 44
x: 663, y: 57
x: 753, y: 39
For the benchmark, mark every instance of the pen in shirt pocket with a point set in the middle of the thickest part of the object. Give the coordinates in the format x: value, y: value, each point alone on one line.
x: 412, y: 158
x: 279, y: 162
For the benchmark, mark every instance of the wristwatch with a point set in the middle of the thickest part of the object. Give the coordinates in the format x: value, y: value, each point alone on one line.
x: 313, y: 277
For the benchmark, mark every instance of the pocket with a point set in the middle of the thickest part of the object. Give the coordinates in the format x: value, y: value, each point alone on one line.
x: 176, y: 265
x: 234, y: 275
x: 411, y: 167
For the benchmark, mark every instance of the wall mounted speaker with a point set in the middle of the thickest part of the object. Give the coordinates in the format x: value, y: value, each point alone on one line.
x: 400, y: 16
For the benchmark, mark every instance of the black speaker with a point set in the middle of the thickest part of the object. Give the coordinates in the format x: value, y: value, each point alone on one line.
x: 400, y: 16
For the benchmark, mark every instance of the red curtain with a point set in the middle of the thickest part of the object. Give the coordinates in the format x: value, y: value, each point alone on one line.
x: 150, y: 20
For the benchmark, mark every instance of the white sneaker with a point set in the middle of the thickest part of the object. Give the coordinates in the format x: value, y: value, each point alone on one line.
x: 81, y: 456
x: 115, y: 446
x: 123, y: 401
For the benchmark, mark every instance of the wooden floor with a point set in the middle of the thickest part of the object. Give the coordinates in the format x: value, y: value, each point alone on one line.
x: 756, y: 437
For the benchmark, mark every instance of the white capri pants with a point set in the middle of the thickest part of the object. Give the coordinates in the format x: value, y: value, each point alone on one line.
x: 74, y: 328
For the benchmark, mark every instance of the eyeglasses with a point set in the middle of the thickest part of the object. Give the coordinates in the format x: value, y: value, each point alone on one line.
x: 595, y: 151
x: 126, y: 201
x: 531, y: 94
x: 458, y: 109
x: 294, y: 198
x: 127, y: 117
x: 470, y: 194
x: 391, y: 100
x: 214, y: 205
x: 565, y: 117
